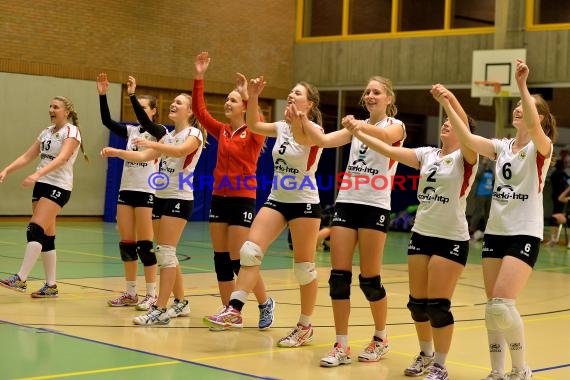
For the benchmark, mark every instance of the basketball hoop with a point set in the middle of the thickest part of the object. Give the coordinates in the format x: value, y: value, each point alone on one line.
x: 496, y: 85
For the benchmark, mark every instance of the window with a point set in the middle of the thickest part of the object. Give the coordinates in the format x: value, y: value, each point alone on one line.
x: 421, y: 15
x: 370, y: 16
x: 472, y: 14
x: 322, y: 18
x: 551, y: 12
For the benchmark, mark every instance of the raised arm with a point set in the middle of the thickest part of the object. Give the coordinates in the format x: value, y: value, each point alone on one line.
x: 199, y: 109
x: 476, y: 143
x: 458, y: 119
x: 391, y: 134
x: 112, y: 125
x: 252, y: 115
x: 530, y: 113
x: 131, y: 155
x: 156, y: 130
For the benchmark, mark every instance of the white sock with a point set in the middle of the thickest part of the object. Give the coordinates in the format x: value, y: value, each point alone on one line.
x: 381, y: 334
x: 497, y: 350
x: 515, y: 338
x: 439, y: 358
x: 426, y: 347
x: 304, y: 320
x: 151, y: 289
x: 50, y: 261
x: 132, y: 288
x: 343, y: 340
x: 240, y: 295
x: 33, y: 250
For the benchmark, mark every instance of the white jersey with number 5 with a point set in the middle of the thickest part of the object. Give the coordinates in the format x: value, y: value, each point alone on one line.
x: 294, y: 167
x: 50, y: 146
x: 516, y: 208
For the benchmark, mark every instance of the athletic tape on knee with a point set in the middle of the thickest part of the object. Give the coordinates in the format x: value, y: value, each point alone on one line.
x: 146, y: 253
x: 223, y: 266
x: 35, y: 232
x: 250, y: 254
x: 305, y: 272
x: 501, y: 314
x: 166, y: 256
x: 49, y: 244
x: 438, y: 310
x: 128, y: 251
x: 418, y: 309
x: 372, y: 288
x: 339, y: 284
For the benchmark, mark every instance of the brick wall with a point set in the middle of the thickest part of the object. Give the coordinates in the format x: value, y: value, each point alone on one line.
x: 156, y: 41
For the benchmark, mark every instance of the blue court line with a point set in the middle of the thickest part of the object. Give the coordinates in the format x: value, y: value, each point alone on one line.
x: 135, y: 350
x: 550, y: 368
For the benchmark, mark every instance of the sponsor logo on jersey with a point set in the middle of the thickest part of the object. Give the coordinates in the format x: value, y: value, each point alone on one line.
x: 281, y: 166
x: 506, y: 193
x: 429, y: 195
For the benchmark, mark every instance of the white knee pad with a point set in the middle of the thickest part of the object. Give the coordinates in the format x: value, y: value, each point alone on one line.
x: 500, y: 314
x: 305, y: 272
x: 250, y: 254
x: 166, y: 256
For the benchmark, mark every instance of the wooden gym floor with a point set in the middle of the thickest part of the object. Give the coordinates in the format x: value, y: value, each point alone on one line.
x: 78, y: 336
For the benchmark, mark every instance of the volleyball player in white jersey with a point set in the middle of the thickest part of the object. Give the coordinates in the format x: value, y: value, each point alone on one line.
x: 179, y: 151
x: 437, y: 252
x: 362, y: 217
x: 57, y: 146
x: 294, y: 200
x: 515, y: 227
x: 134, y: 206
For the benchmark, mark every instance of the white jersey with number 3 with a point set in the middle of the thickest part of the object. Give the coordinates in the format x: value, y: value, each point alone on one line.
x: 517, y: 208
x: 136, y: 175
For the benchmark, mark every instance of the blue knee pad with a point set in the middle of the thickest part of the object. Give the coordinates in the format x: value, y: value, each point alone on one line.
x: 146, y: 253
x: 49, y: 244
x: 128, y: 251
x: 372, y: 288
x: 418, y: 309
x: 339, y: 284
x: 223, y: 266
x: 438, y: 312
x: 35, y: 232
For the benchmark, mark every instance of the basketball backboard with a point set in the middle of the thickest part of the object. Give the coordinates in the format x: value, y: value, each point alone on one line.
x: 493, y: 73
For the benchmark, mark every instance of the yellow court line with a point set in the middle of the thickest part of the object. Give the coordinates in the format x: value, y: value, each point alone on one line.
x: 115, y: 369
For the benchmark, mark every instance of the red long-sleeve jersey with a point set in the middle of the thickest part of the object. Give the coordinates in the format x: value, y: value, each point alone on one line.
x: 238, y: 151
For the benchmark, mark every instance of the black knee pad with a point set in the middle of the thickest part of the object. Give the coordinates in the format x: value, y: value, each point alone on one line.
x: 236, y: 265
x: 146, y: 253
x: 438, y: 312
x: 418, y: 309
x: 49, y: 243
x: 35, y: 232
x: 372, y: 288
x: 223, y: 266
x: 128, y: 251
x: 339, y: 284
x: 551, y: 221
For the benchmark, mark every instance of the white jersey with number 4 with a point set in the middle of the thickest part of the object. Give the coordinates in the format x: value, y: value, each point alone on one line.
x: 51, y: 143
x: 517, y: 208
x: 180, y: 169
x: 442, y: 194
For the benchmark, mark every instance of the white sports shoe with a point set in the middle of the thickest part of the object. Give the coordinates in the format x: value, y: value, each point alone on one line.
x: 155, y: 316
x: 519, y: 374
x: 375, y: 350
x: 337, y: 356
x: 146, y: 303
x: 495, y: 375
x: 179, y: 309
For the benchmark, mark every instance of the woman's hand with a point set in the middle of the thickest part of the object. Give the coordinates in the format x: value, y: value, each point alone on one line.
x: 131, y: 85
x: 102, y: 83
